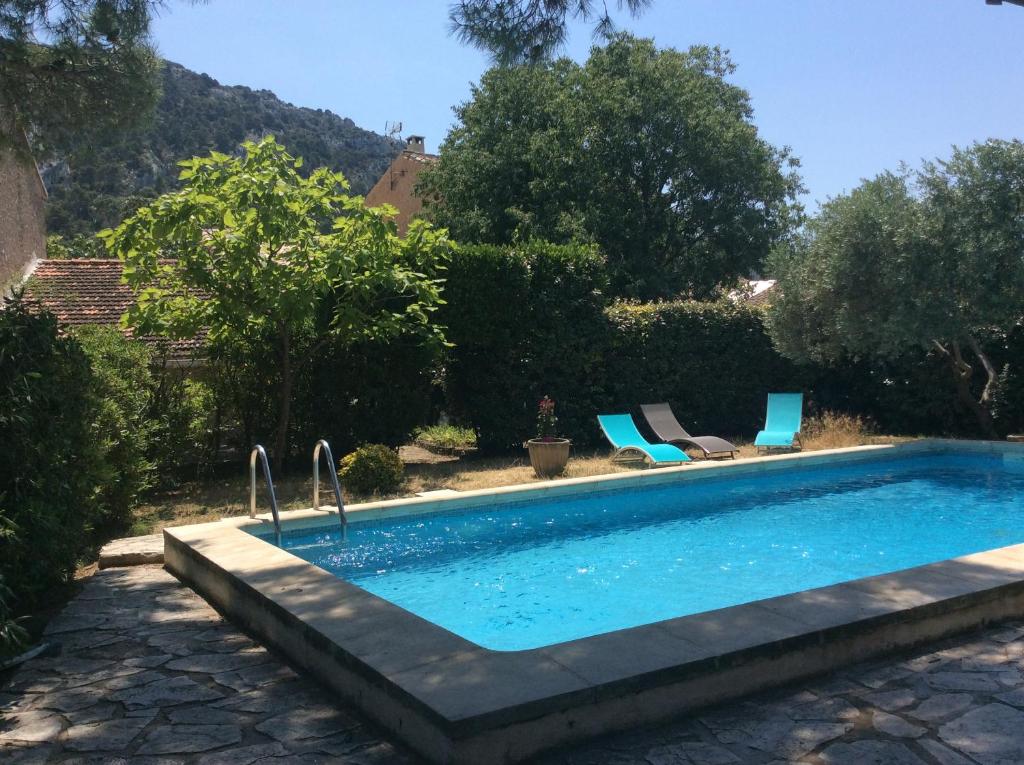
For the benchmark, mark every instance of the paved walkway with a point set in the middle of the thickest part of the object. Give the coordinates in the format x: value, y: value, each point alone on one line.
x: 146, y: 673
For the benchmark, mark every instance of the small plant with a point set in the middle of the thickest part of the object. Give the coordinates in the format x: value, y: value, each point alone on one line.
x: 834, y: 430
x: 447, y: 436
x: 547, y: 423
x: 13, y: 636
x: 372, y: 469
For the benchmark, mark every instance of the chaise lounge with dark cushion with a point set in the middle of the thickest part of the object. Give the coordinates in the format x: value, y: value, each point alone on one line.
x: 665, y: 425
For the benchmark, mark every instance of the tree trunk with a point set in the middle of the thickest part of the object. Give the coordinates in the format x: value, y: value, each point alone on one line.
x: 962, y: 375
x: 284, y: 405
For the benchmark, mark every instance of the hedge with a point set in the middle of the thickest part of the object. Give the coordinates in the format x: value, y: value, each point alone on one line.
x: 49, y: 462
x: 524, y: 321
x: 532, y: 320
x: 713, y: 362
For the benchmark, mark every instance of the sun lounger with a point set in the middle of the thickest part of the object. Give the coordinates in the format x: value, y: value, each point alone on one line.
x: 665, y: 425
x: 621, y: 432
x: 782, y: 422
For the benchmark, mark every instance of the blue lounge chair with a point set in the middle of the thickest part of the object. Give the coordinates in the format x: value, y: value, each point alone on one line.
x: 782, y: 422
x: 621, y: 432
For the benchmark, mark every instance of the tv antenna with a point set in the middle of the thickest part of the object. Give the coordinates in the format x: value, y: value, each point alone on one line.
x: 393, y: 130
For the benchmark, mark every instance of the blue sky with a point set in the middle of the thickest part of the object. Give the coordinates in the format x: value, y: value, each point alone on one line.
x: 852, y: 86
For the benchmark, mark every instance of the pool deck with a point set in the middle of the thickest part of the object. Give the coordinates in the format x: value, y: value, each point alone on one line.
x: 456, y: 702
x: 144, y: 671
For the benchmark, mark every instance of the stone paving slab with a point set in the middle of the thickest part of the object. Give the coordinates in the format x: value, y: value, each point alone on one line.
x: 144, y: 671
x: 133, y: 551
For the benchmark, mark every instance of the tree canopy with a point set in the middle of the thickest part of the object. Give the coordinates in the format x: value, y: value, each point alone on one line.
x: 73, y: 65
x: 264, y: 255
x: 529, y: 31
x: 932, y: 259
x: 652, y: 154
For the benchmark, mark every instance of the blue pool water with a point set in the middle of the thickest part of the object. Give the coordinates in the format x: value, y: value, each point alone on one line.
x: 519, y: 576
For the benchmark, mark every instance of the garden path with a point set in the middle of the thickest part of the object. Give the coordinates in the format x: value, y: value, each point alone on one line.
x: 144, y: 671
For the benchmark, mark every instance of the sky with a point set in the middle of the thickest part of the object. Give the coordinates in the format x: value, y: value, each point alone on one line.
x: 853, y: 87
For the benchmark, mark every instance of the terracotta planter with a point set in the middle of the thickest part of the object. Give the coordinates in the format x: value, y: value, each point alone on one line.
x: 548, y: 457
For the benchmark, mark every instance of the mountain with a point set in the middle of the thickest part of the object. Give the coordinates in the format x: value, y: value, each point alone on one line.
x: 94, y: 186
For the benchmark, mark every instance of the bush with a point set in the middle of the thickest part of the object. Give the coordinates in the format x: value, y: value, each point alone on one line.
x: 525, y: 321
x: 122, y: 430
x: 49, y: 464
x: 447, y: 436
x: 185, y: 425
x: 372, y: 469
x: 13, y: 636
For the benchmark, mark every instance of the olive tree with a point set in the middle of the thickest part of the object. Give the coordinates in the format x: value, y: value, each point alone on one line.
x: 932, y: 259
x: 249, y: 249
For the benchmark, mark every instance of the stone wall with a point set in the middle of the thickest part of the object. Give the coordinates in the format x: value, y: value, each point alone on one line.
x: 22, y: 213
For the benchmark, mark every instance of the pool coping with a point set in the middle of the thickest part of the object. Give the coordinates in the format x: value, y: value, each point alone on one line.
x: 454, y: 701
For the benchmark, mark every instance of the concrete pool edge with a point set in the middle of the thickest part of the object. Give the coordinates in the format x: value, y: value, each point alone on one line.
x: 456, y: 702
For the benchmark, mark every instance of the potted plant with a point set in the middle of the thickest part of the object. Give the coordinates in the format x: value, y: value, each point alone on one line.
x: 548, y: 452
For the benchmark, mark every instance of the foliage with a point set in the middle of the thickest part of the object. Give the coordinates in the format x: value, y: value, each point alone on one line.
x: 97, y: 183
x: 374, y: 391
x: 528, y: 31
x: 447, y: 436
x: 49, y: 462
x: 524, y: 321
x: 652, y: 154
x: 834, y: 430
x: 121, y: 427
x: 547, y: 422
x: 183, y: 417
x: 253, y: 261
x: 76, y: 246
x: 927, y: 261
x: 712, y: 362
x: 60, y: 62
x: 13, y: 637
x: 372, y: 469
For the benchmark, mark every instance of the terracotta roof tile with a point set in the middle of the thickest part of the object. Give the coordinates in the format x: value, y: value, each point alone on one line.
x: 89, y: 291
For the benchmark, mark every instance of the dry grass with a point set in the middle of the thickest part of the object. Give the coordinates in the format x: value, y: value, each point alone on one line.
x: 209, y: 500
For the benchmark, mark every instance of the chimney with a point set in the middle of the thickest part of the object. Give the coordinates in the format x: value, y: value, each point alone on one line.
x: 414, y: 143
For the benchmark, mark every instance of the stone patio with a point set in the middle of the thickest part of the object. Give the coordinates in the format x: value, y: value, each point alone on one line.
x: 143, y: 671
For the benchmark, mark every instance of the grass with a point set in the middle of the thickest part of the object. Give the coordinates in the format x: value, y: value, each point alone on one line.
x: 214, y: 498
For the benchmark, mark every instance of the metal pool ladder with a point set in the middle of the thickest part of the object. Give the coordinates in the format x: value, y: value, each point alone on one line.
x: 322, y: 444
x: 259, y: 451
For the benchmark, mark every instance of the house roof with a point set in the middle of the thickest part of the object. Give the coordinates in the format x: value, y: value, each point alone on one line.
x: 762, y: 292
x: 89, y: 291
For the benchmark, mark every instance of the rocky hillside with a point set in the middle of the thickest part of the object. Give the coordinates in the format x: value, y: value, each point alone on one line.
x: 96, y: 185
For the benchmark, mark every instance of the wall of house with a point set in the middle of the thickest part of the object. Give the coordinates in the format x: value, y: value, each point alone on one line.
x: 22, y: 207
x: 397, y: 187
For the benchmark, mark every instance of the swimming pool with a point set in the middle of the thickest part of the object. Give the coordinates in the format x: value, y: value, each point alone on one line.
x: 524, y: 575
x: 735, y: 576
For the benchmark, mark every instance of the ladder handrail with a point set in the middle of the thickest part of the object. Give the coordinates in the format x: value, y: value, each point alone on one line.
x: 322, y: 444
x: 259, y: 451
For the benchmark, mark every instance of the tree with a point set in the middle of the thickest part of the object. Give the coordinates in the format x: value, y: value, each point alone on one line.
x: 652, y: 154
x: 75, y: 64
x: 528, y: 31
x: 933, y: 260
x: 262, y: 254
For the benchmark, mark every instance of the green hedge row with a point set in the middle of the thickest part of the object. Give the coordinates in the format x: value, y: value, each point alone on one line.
x: 532, y: 320
x: 525, y: 321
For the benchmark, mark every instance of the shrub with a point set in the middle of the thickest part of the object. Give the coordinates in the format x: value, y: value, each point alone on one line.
x: 49, y: 463
x: 183, y: 412
x: 524, y: 321
x: 372, y: 469
x: 122, y: 430
x: 13, y: 636
x: 834, y: 430
x: 447, y: 436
